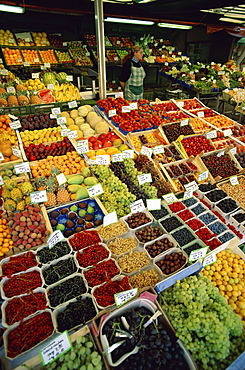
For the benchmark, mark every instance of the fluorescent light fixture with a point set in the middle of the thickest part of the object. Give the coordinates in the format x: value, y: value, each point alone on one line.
x: 131, y: 21
x: 234, y: 15
x: 230, y: 20
x: 11, y: 9
x: 174, y: 25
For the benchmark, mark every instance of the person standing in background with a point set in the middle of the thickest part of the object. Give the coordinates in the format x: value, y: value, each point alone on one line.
x: 133, y: 74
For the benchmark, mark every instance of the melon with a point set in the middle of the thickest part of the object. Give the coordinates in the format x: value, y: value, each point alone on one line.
x: 82, y: 111
x: 102, y: 128
x: 85, y: 126
x: 74, y: 113
x: 89, y: 108
x: 79, y: 120
x: 90, y: 115
x: 65, y: 114
x: 94, y: 121
x: 73, y: 127
x: 69, y: 122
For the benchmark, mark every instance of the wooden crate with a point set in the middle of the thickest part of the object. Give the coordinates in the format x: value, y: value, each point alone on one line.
x: 178, y: 143
x: 157, y: 131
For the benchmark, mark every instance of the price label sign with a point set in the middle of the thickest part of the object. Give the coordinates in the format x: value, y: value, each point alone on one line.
x: 10, y: 89
x: 50, y: 86
x: 129, y: 153
x: 180, y: 104
x: 158, y: 149
x: 166, y: 64
x: 103, y: 159
x: 126, y: 109
x: 234, y: 180
x: 95, y: 190
x: 153, y: 204
x: 11, y: 41
x: 227, y: 132
x: 55, y: 111
x: 137, y: 206
x: 72, y: 104
x: 61, y: 179
x: 198, y: 253
x: 191, y: 186
x: 209, y: 259
x: 14, y: 118
x: 35, y: 75
x: 36, y: 60
x: 233, y: 150
x: 1, y: 181
x: 116, y: 59
x: 1, y: 61
x: 200, y: 114
x: 146, y: 151
x: 61, y: 120
x: 82, y: 146
x: 119, y: 94
x: 72, y: 134
x: 109, y: 219
x: 42, y: 68
x: 142, y: 179
x: 26, y: 64
x: 1, y: 157
x: 69, y: 78
x: 118, y: 42
x: 220, y: 153
x: 133, y: 105
x: 55, y: 238
x: 16, y: 152
x: 118, y: 157
x: 170, y: 198
x: 123, y: 297
x: 39, y: 197
x: 65, y: 132
x: 3, y: 72
x: 15, y: 125
x: 64, y: 43
x: 47, y: 65
x: 211, y: 134
x: 112, y: 112
x: 22, y: 167
x: 188, y: 194
x: 202, y: 176
x: 184, y: 122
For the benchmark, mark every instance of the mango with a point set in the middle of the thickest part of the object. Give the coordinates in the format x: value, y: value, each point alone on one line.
x: 75, y: 180
x: 90, y: 181
x: 82, y: 193
x: 74, y: 188
x: 86, y: 172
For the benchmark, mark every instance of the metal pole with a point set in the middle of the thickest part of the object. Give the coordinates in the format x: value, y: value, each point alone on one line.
x: 99, y: 26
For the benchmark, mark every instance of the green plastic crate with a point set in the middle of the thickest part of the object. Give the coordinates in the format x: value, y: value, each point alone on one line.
x: 16, y: 111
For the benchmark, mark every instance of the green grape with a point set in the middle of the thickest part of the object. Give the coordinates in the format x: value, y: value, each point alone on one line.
x: 95, y: 361
x: 67, y: 357
x: 87, y: 351
x: 82, y: 351
x: 98, y: 367
x: 83, y: 367
x: 79, y: 340
x: 72, y: 355
x: 90, y: 367
x: 70, y: 364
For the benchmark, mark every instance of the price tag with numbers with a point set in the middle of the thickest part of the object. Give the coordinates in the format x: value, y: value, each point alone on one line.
x: 166, y: 64
x: 61, y: 179
x: 1, y: 180
x: 14, y: 118
x: 103, y: 159
x: 65, y: 132
x: 146, y: 151
x: 198, y: 253
x: 22, y: 167
x: 16, y: 152
x: 109, y: 219
x: 133, y: 105
x: 15, y: 125
x: 200, y: 114
x: 153, y: 204
x: 61, y: 120
x: 129, y: 153
x: 180, y: 104
x: 55, y: 238
x: 137, y: 206
x: 119, y: 94
x: 184, y: 122
x: 55, y: 110
x: 72, y: 104
x: 10, y: 89
x: 233, y: 150
x: 227, y: 132
x: 191, y: 186
x: 222, y: 152
x: 64, y: 43
x: 11, y: 41
x: 47, y: 65
x: 170, y: 198
x: 69, y: 78
x: 188, y: 194
x: 234, y: 180
x: 118, y: 157
x: 95, y: 190
x: 142, y: 179
x: 123, y: 297
x: 1, y: 61
x: 50, y: 86
x: 211, y: 134
x: 35, y: 75
x: 26, y: 64
x: 158, y: 149
x: 202, y: 176
x: 39, y: 197
x: 72, y: 134
x: 3, y: 72
x: 1, y: 157
x: 36, y: 60
x: 126, y: 109
x: 42, y: 68
x: 112, y: 112
x: 211, y: 258
x: 82, y: 146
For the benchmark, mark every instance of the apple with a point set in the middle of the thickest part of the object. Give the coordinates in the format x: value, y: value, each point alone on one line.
x: 102, y: 137
x: 107, y: 144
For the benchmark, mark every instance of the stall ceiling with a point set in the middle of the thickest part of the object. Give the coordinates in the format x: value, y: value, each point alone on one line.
x: 158, y: 10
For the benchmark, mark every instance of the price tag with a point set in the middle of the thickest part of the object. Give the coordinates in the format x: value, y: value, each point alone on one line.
x: 179, y: 53
x: 133, y: 105
x: 22, y: 167
x: 1, y: 157
x: 3, y: 72
x: 82, y: 146
x: 50, y: 86
x: 119, y: 94
x: 233, y: 150
x: 27, y: 39
x: 170, y: 198
x: 1, y: 61
x: 95, y: 190
x: 11, y: 41
x: 234, y: 180
x: 69, y: 78
x: 188, y: 194
x: 103, y: 159
x: 26, y: 64
x: 118, y: 42
x: 142, y: 179
x: 227, y: 132
x: 220, y: 73
x: 200, y: 114
x: 61, y: 179
x: 72, y: 104
x: 19, y: 60
x: 16, y: 152
x: 209, y: 259
x: 53, y: 116
x: 170, y: 52
x: 211, y: 134
x: 118, y: 157
x: 65, y: 132
x: 109, y: 219
x: 42, y: 68
x: 180, y: 104
x: 35, y: 75
x: 14, y: 125
x: 198, y: 253
x: 116, y: 59
x: 158, y: 149
x: 1, y: 181
x: 64, y: 43
x: 161, y: 40
x: 43, y: 42
x: 55, y: 238
x: 153, y: 204
x: 191, y: 186
x: 47, y: 65
x: 126, y: 109
x: 202, y: 176
x: 39, y: 197
x: 220, y: 153
x: 184, y: 122
x: 128, y: 154
x: 166, y: 64
x: 87, y: 54
x: 112, y: 112
x: 137, y: 206
x: 61, y: 120
x: 55, y: 110
x: 123, y: 297
x: 13, y: 117
x: 36, y: 60
x: 146, y: 151
x: 10, y: 89
x: 72, y: 134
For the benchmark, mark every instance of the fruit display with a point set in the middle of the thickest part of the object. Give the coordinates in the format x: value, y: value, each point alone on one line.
x: 80, y: 53
x: 55, y: 40
x: 16, y: 195
x: 64, y: 57
x: 66, y: 92
x: 112, y: 55
x: 36, y: 121
x: 40, y: 39
x: 127, y: 42
x: 90, y: 39
x: 48, y: 56
x: 31, y: 56
x: 46, y: 135
x: 34, y: 84
x: 116, y: 41
x: 40, y: 151
x: 7, y: 38
x: 12, y: 56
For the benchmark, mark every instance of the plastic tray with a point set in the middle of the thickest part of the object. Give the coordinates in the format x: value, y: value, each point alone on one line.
x: 54, y: 262
x: 170, y: 216
x: 162, y: 256
x: 152, y: 224
x: 148, y: 214
x: 46, y: 246
x: 149, y: 267
x: 88, y: 269
x: 82, y: 250
x: 127, y: 235
x: 181, y: 228
x: 138, y: 249
x: 165, y: 236
x: 6, y: 260
x: 105, y: 240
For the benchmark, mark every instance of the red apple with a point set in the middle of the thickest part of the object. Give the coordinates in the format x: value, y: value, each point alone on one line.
x: 102, y: 137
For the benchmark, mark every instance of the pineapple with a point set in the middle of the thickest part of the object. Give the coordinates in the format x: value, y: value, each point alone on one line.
x: 63, y: 196
x: 22, y: 98
x: 3, y: 100
x: 50, y: 185
x: 51, y: 202
x: 12, y: 100
x: 2, y: 89
x: 34, y: 99
x: 20, y: 87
